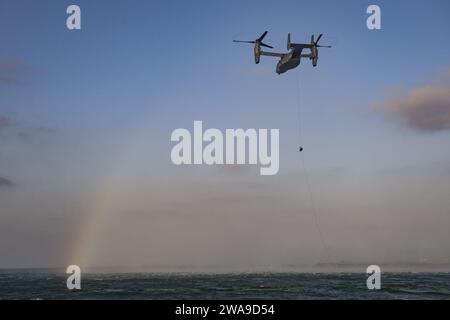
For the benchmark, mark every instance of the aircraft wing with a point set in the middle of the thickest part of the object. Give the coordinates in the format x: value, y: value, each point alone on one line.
x: 300, y: 46
x: 272, y: 54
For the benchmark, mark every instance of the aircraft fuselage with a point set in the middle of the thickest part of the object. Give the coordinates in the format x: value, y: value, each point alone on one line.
x: 289, y: 61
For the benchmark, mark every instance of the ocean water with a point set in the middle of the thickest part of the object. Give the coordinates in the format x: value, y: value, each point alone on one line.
x: 49, y: 285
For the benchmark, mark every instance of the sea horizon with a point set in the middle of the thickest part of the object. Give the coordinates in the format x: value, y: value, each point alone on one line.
x: 339, y: 267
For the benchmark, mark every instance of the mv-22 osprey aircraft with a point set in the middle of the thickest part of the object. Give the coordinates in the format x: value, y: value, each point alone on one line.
x: 291, y: 59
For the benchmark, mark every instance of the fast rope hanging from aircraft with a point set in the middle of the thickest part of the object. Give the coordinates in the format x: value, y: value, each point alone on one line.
x: 306, y: 177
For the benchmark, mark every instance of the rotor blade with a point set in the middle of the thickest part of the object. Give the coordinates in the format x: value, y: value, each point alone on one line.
x: 320, y: 36
x: 262, y: 36
x: 319, y: 46
x: 243, y: 41
x: 265, y: 45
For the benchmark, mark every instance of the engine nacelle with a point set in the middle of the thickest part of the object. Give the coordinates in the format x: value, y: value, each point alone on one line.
x: 257, y: 52
x: 314, y: 55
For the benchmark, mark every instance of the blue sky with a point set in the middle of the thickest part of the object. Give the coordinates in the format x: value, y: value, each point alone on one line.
x: 138, y: 70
